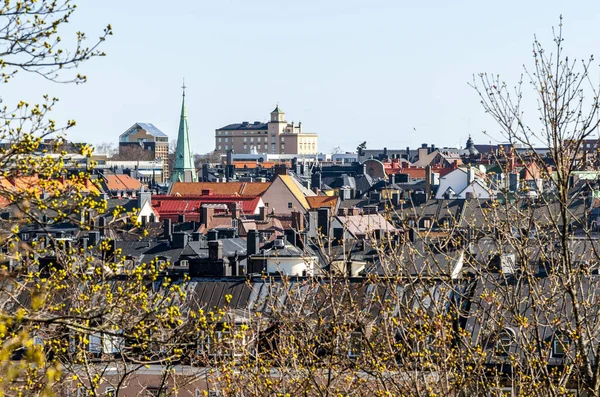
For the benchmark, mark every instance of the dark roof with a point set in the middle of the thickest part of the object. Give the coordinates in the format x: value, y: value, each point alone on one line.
x: 363, y: 182
x: 245, y: 126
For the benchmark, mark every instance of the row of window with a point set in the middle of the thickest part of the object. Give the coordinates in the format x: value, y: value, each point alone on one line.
x: 110, y: 391
x: 506, y: 340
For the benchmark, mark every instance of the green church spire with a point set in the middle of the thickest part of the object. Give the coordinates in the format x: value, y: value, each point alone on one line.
x: 184, y: 169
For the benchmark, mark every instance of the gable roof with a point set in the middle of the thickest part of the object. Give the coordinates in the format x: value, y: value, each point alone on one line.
x: 150, y: 129
x: 295, y: 190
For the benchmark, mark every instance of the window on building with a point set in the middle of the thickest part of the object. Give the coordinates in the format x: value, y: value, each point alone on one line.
x: 282, y: 139
x: 504, y: 342
x: 156, y: 392
x: 245, y: 139
x: 560, y: 344
x: 219, y: 147
x: 219, y: 140
x: 112, y: 344
x: 251, y: 139
x: 226, y: 139
x: 223, y: 343
x: 290, y: 206
x: 226, y: 147
x: 226, y: 132
x: 355, y: 345
x: 95, y: 343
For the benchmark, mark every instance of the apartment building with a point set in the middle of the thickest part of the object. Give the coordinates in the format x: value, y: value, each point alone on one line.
x: 145, y: 137
x: 274, y: 137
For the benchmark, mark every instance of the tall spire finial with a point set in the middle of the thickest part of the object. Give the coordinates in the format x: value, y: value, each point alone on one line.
x: 183, y: 87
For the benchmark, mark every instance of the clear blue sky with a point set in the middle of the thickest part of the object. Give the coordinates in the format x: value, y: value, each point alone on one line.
x: 349, y: 70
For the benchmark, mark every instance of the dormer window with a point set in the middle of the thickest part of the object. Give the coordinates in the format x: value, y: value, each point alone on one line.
x: 504, y: 342
x: 560, y: 344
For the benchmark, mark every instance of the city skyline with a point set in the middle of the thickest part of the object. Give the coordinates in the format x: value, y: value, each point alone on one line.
x: 389, y: 74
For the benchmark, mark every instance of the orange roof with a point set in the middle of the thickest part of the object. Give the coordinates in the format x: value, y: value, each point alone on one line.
x: 322, y: 201
x: 219, y: 188
x: 413, y: 172
x: 34, y: 185
x: 122, y: 182
x: 253, y: 164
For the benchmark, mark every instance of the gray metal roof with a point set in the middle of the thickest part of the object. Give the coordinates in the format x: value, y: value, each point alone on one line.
x: 152, y: 130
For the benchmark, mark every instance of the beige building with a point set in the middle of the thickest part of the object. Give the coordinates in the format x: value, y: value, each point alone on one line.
x: 275, y: 137
x: 146, y: 137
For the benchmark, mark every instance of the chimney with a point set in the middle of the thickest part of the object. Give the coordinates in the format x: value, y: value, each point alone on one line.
x: 290, y: 235
x: 196, y: 236
x: 235, y: 211
x: 215, y: 250
x: 297, y: 221
x: 212, y: 235
x: 206, y: 215
x: 280, y: 169
x: 315, y: 180
x: 396, y: 199
x: 428, y: 181
x: 323, y: 221
x: 470, y: 174
x: 262, y: 214
x: 167, y: 229
x: 412, y: 235
x: 102, y: 226
x: 253, y: 242
x: 205, y: 172
x: 180, y: 240
x: 94, y: 237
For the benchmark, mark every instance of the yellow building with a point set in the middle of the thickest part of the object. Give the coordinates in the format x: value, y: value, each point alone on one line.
x: 275, y: 137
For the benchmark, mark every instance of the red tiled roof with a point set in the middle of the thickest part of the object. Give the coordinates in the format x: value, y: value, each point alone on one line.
x: 170, y: 207
x: 218, y: 188
x: 415, y: 173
